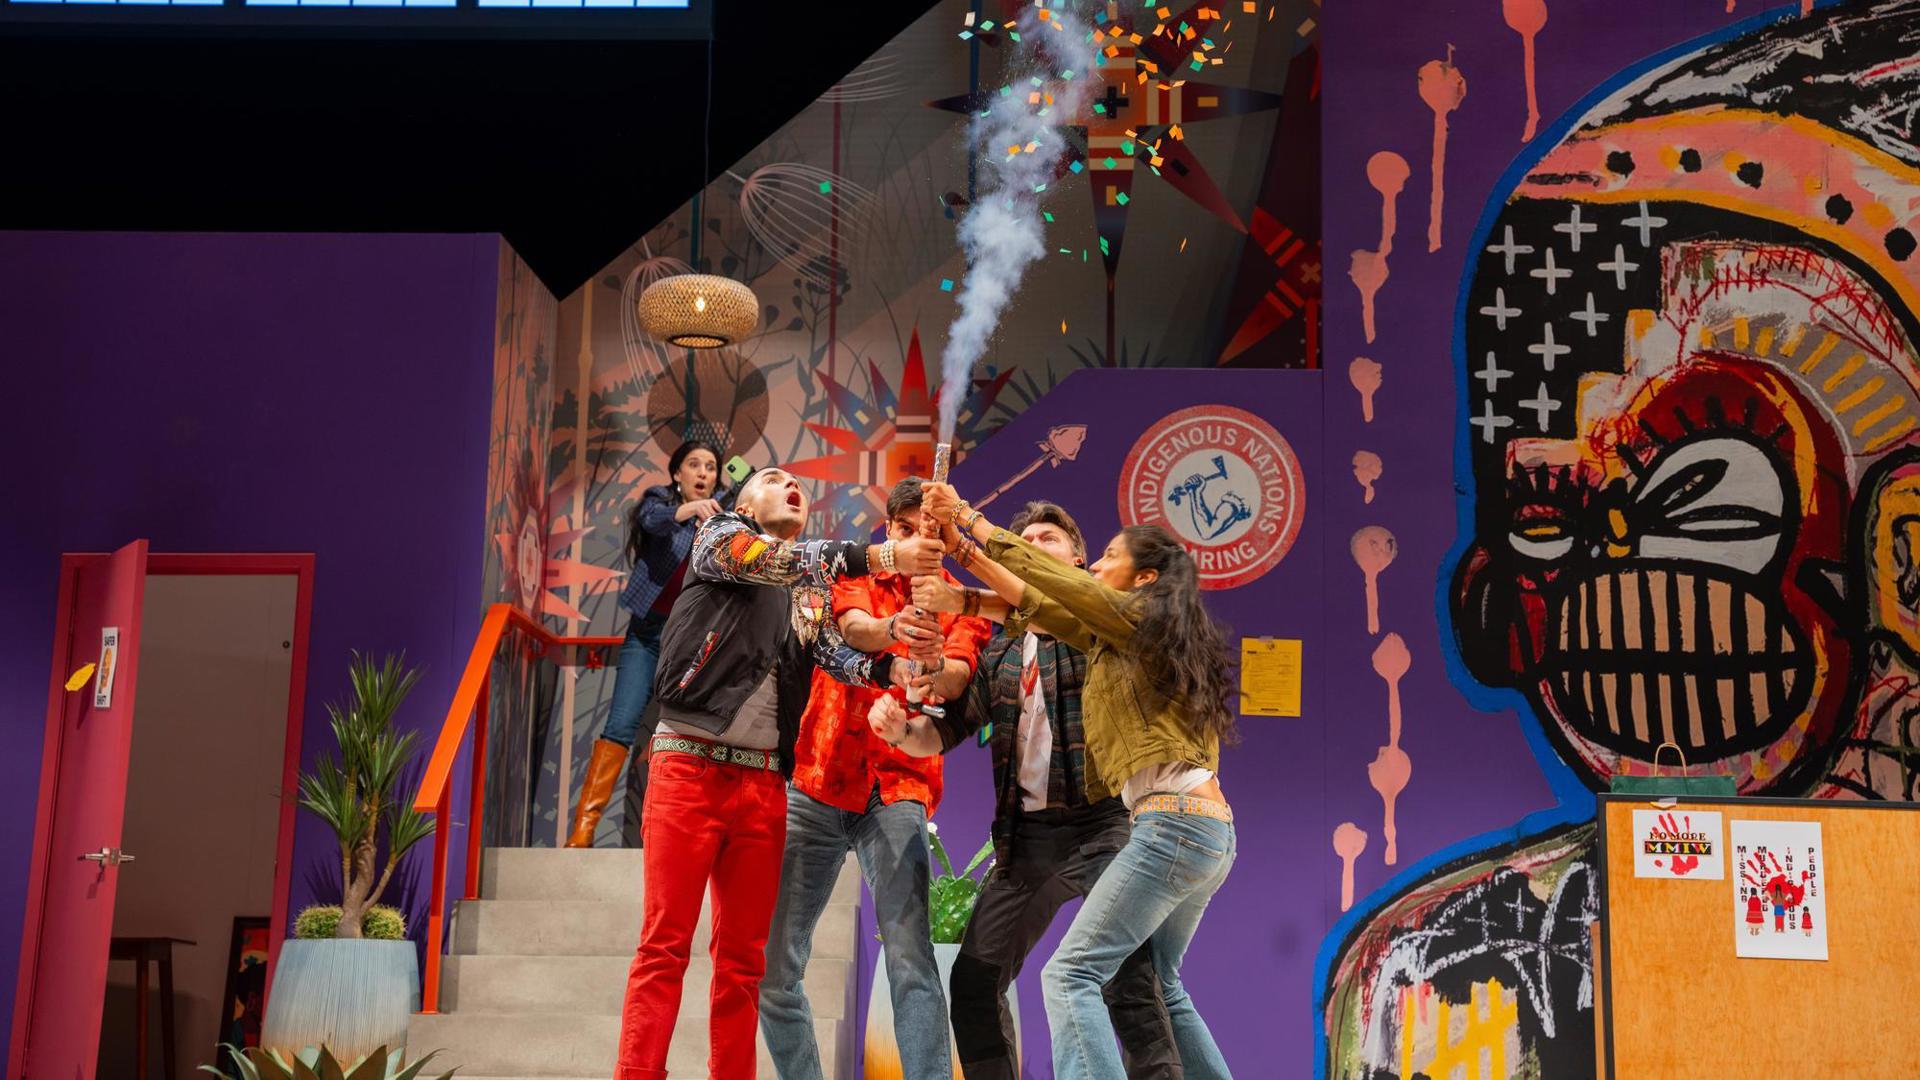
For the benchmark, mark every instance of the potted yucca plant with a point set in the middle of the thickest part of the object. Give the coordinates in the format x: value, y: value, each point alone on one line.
x: 350, y: 978
x: 950, y: 900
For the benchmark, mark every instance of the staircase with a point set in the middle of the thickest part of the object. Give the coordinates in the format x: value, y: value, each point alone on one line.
x: 533, y: 984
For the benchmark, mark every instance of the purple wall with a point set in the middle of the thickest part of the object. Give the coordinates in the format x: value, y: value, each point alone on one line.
x: 1248, y: 966
x: 245, y: 393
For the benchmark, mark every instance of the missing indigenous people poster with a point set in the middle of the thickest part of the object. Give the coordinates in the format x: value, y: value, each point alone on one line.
x: 1779, y: 890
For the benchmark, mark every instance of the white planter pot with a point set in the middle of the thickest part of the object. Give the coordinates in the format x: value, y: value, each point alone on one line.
x: 882, y: 1053
x: 350, y: 996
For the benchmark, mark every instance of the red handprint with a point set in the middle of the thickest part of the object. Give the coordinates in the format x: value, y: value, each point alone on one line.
x: 1769, y: 879
x: 1682, y: 864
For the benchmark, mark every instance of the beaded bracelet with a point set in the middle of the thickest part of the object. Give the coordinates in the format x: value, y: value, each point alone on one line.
x: 887, y: 563
x: 968, y: 518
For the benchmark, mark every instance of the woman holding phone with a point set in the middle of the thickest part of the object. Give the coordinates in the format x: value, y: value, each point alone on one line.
x: 1157, y: 706
x: 659, y: 537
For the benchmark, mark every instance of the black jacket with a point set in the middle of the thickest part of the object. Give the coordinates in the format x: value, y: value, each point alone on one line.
x: 751, y: 599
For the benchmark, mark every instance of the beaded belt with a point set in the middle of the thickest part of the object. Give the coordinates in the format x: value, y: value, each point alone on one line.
x: 720, y: 752
x: 1182, y: 804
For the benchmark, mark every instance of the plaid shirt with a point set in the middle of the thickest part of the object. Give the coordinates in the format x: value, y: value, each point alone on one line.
x: 664, y: 545
x: 993, y: 697
x: 838, y: 760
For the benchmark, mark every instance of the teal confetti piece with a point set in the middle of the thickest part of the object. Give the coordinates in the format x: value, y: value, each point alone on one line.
x: 1066, y: 251
x: 1039, y: 187
x: 826, y: 187
x: 1122, y: 199
x: 1014, y: 34
x: 1104, y: 249
x: 1196, y: 65
x: 1067, y: 75
x: 966, y: 35
x: 1048, y: 214
x: 988, y: 25
x: 1099, y: 108
x: 946, y: 284
x: 1101, y: 18
x: 1126, y: 147
x: 1183, y: 28
x: 1076, y: 166
x: 1083, y: 254
x: 1112, y: 164
x: 1035, y: 80
x: 1156, y: 170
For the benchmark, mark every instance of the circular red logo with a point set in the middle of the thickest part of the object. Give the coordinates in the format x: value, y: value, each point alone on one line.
x: 1226, y: 483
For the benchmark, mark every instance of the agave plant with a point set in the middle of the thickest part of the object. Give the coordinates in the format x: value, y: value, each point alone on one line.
x: 950, y: 896
x: 355, y: 793
x: 318, y: 1063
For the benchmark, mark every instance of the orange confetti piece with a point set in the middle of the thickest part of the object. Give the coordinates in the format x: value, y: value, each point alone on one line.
x: 1177, y: 134
x: 1183, y: 243
x: 1135, y: 38
x: 1033, y: 98
x: 1113, y: 50
x: 1165, y: 13
x: 1249, y: 7
x: 1063, y: 326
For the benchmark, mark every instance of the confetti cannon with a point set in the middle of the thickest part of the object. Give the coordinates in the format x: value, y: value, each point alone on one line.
x: 1062, y: 443
x: 942, y: 459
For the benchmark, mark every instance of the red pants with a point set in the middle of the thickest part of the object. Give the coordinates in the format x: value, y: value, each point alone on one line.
x: 703, y: 821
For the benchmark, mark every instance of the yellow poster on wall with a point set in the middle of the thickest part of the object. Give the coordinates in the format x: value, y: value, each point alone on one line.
x: 1270, y: 676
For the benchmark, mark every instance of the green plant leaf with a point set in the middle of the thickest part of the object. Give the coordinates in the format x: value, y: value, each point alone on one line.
x: 940, y: 852
x: 413, y: 1069
x: 979, y: 857
x: 372, y: 1067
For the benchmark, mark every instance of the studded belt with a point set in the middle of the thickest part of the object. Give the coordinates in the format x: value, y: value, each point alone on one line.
x: 1182, y: 804
x: 720, y: 752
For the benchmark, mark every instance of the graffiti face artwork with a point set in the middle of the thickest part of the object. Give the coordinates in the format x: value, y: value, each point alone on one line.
x: 1690, y: 397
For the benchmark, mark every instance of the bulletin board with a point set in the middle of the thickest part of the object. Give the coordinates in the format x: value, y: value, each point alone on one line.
x: 1676, y: 1002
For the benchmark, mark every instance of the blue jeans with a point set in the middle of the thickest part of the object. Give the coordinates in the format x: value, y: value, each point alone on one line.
x: 891, y: 842
x: 633, y: 678
x: 1154, y: 891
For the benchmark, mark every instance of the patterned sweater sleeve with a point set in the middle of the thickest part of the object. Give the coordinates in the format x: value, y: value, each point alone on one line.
x: 830, y: 650
x: 729, y: 548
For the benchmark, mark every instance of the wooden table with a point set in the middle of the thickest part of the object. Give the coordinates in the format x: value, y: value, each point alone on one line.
x: 159, y: 951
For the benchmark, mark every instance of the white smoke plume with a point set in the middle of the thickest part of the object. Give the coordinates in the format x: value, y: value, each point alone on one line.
x: 1019, y: 137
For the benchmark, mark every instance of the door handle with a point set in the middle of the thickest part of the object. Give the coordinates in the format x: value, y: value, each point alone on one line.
x: 108, y: 856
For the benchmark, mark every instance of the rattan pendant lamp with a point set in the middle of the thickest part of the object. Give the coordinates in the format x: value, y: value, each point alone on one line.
x: 700, y: 311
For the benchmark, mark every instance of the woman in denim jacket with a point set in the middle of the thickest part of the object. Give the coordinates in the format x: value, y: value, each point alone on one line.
x: 659, y: 537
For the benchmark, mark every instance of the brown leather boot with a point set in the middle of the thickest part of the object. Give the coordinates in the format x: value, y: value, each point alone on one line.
x: 595, y: 793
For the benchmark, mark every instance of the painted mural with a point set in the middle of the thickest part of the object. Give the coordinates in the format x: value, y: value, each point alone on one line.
x: 844, y: 224
x: 1687, y: 402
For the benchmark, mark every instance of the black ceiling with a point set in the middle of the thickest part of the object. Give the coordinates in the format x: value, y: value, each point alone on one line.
x: 571, y: 149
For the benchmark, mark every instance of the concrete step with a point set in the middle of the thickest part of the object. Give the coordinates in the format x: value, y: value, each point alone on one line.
x: 605, y: 874
x: 548, y: 1046
x: 595, y: 985
x: 609, y: 928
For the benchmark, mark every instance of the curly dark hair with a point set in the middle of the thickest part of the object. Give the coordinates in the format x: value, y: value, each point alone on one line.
x: 1188, y: 647
x: 1042, y: 512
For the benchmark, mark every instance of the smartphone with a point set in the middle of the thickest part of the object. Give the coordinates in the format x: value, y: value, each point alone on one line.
x: 738, y: 470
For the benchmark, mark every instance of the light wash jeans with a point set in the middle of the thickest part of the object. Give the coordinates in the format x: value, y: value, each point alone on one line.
x: 1154, y: 891
x: 891, y: 842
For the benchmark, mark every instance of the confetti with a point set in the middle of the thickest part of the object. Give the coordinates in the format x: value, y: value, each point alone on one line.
x: 1048, y: 214
x: 1249, y: 7
x: 1183, y: 244
x: 826, y: 187
x: 1122, y: 199
x: 946, y: 284
x: 1063, y: 326
x: 1112, y: 164
x: 1077, y: 166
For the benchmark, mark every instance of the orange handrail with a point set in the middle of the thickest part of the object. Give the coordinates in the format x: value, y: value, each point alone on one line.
x: 469, y: 713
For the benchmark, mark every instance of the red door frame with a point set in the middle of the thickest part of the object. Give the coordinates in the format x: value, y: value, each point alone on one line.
x: 300, y: 567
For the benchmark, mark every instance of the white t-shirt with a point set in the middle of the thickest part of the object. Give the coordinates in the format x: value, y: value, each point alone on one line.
x: 1036, y: 730
x: 1171, y: 778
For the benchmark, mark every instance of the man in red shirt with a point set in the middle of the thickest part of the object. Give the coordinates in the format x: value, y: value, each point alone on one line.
x: 852, y: 791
